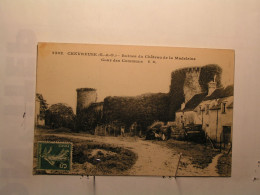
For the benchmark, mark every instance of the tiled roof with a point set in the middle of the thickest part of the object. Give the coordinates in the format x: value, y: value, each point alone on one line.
x: 221, y: 93
x: 220, y: 101
x: 194, y: 101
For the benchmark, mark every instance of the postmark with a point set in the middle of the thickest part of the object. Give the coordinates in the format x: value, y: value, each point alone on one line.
x: 54, y: 155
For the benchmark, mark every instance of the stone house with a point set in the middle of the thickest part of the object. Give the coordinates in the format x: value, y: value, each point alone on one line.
x: 188, y: 112
x: 212, y: 110
x: 216, y: 113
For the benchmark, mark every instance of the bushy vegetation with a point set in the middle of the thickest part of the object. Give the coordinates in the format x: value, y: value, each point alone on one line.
x: 143, y: 109
x: 224, y: 165
x: 60, y: 115
x: 106, y: 158
x: 43, y: 106
x: 207, y: 74
x: 176, y: 93
x: 87, y: 119
x: 200, y: 155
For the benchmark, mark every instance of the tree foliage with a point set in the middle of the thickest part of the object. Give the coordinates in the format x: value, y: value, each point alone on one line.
x: 176, y: 93
x: 143, y: 109
x: 207, y: 74
x: 60, y: 115
x: 43, y: 105
x: 88, y: 118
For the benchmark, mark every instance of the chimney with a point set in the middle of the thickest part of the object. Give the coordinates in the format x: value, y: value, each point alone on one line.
x: 212, y: 85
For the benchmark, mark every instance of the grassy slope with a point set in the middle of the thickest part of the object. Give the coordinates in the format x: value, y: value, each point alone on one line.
x: 200, y: 155
x: 224, y: 165
x: 112, y: 160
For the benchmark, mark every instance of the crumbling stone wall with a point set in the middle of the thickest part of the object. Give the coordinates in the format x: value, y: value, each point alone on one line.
x: 85, y: 97
x: 191, y: 85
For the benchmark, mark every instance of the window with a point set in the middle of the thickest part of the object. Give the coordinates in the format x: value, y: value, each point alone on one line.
x: 223, y: 107
x: 200, y: 110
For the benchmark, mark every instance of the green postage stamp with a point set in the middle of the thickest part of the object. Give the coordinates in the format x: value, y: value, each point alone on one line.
x: 54, y: 155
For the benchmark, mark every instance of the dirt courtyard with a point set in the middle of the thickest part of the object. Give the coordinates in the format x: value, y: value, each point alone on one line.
x: 153, y: 158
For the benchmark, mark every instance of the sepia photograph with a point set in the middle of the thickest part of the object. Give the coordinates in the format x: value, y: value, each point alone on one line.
x: 115, y: 110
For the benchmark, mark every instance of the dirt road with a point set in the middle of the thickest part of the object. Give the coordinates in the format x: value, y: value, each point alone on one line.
x: 153, y: 159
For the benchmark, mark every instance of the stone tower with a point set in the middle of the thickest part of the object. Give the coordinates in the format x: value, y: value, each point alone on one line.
x: 85, y: 97
x: 191, y: 85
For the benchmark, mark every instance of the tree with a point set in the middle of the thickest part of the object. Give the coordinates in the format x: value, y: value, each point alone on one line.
x: 60, y: 115
x: 43, y: 106
x: 88, y: 118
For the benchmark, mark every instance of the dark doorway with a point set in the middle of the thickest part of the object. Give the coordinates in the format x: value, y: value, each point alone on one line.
x: 226, y: 135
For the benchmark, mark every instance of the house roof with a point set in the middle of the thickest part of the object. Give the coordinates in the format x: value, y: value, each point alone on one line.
x: 194, y: 101
x: 220, y: 101
x: 221, y: 93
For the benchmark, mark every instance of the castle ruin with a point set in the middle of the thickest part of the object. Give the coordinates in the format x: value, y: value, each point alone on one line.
x: 85, y: 97
x: 185, y: 83
x: 191, y: 85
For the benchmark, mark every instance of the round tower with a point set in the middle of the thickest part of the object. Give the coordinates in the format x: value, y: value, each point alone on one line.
x: 191, y: 85
x: 85, y: 97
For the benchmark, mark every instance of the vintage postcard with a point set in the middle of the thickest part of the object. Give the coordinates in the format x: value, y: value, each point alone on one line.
x: 133, y: 110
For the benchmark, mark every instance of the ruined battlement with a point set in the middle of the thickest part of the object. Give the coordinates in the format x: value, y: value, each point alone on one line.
x: 194, y: 70
x: 86, y: 89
